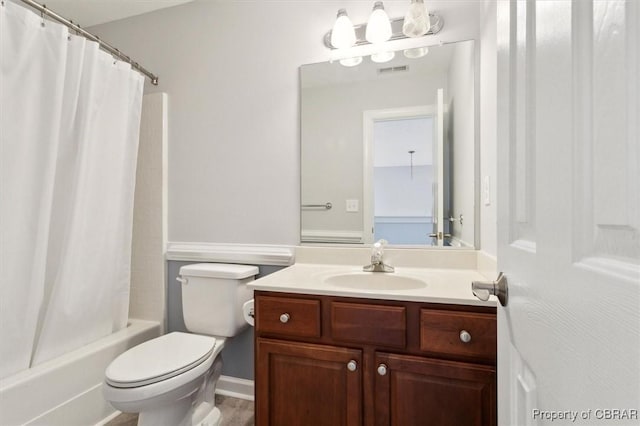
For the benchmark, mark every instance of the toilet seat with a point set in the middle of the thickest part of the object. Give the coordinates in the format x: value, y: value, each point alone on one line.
x: 159, y: 359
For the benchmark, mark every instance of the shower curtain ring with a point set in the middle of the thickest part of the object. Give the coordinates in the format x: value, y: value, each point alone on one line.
x: 44, y: 6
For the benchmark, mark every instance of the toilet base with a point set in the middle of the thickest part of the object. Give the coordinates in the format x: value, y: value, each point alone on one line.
x: 196, y: 408
x: 213, y: 419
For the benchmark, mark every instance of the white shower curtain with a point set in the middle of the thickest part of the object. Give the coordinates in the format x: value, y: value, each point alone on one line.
x: 69, y: 124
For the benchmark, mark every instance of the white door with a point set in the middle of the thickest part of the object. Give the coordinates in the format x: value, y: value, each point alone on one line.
x: 438, y: 174
x: 569, y: 212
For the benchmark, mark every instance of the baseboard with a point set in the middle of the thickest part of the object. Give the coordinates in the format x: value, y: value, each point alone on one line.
x: 236, y: 388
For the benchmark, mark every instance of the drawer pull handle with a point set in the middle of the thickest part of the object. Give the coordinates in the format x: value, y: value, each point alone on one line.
x: 382, y: 369
x: 465, y: 336
x: 352, y: 365
x: 284, y: 318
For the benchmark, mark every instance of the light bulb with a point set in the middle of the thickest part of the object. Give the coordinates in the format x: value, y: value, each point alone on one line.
x: 381, y: 57
x: 343, y: 35
x: 351, y: 62
x: 378, y: 27
x: 416, y: 21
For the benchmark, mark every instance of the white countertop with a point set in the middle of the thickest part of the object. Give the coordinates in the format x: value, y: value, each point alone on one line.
x: 452, y: 286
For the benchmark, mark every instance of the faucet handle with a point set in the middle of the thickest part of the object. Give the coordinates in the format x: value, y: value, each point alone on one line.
x: 378, y: 247
x: 377, y: 250
x: 380, y: 243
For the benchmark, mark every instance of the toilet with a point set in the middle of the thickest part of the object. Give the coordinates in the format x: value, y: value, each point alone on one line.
x: 171, y: 380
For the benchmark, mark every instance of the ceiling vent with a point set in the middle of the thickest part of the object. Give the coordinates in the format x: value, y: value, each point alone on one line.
x: 389, y: 70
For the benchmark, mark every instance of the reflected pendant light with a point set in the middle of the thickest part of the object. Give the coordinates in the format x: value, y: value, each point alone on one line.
x: 416, y: 22
x: 411, y: 162
x: 343, y: 34
x: 378, y: 27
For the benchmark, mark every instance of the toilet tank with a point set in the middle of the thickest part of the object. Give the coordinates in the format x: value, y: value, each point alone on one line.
x: 213, y: 295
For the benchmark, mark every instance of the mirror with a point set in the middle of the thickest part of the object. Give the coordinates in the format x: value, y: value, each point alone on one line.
x: 387, y: 150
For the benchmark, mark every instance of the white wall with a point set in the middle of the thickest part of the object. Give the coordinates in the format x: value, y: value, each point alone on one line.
x: 488, y: 125
x: 230, y: 69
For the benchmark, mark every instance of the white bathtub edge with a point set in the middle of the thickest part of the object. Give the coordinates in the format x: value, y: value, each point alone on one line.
x: 67, y: 391
x: 108, y: 418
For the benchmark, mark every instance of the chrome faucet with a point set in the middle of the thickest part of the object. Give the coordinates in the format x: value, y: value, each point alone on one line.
x: 377, y: 261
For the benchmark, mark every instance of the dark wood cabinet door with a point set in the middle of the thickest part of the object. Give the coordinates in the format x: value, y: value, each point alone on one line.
x: 430, y: 392
x: 307, y: 384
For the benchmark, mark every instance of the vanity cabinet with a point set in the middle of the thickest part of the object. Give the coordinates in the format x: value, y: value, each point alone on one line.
x: 326, y: 360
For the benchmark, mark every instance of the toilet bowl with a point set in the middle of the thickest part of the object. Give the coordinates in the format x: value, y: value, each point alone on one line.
x: 169, y: 388
x: 170, y: 380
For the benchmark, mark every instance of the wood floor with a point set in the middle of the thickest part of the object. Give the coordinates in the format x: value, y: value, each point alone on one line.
x: 235, y: 412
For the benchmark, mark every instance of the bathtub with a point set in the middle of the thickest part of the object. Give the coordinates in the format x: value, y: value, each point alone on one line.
x: 66, y: 391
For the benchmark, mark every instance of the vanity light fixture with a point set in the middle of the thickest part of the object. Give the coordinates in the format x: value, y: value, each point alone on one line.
x: 350, y: 43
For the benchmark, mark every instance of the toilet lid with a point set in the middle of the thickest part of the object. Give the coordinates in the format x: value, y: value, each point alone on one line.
x: 159, y: 359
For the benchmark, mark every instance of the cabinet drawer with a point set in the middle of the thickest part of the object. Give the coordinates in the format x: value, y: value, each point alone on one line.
x: 444, y: 332
x: 288, y: 316
x: 371, y: 324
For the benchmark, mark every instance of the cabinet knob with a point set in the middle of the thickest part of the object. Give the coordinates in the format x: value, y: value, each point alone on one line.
x: 465, y: 336
x: 382, y: 369
x: 352, y: 365
x: 284, y: 318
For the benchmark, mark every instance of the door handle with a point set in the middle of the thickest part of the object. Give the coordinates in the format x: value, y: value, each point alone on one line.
x: 483, y: 289
x: 436, y: 236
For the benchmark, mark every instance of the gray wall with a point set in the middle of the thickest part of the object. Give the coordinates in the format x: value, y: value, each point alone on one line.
x: 238, y: 352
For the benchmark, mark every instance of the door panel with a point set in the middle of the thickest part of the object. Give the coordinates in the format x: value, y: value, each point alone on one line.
x: 568, y: 208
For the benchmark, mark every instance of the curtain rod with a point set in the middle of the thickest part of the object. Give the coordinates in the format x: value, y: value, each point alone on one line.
x: 104, y: 45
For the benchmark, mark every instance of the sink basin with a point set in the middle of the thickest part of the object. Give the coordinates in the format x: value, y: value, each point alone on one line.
x: 375, y: 281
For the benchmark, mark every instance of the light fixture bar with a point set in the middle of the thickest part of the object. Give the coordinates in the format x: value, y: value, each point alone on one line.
x: 396, y: 30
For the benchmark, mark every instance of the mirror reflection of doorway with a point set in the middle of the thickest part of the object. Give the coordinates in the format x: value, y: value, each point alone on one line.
x: 403, y: 177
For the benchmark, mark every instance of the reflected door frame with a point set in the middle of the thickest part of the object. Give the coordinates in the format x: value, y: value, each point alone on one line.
x: 369, y: 117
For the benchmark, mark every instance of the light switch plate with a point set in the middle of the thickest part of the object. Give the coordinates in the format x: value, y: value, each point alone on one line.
x: 353, y: 206
x: 486, y: 190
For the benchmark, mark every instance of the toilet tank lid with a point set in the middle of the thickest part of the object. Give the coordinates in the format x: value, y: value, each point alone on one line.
x: 218, y: 270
